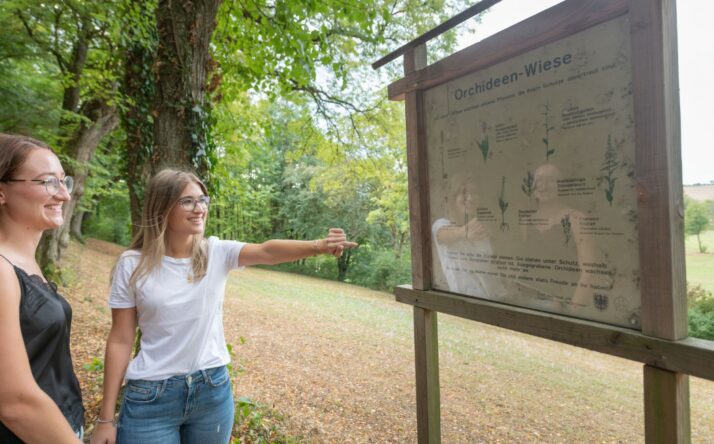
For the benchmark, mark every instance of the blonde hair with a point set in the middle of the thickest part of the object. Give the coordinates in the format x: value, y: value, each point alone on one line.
x: 160, y: 198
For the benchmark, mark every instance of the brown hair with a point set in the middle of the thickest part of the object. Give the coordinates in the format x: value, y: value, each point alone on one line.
x: 13, y: 152
x: 161, y: 197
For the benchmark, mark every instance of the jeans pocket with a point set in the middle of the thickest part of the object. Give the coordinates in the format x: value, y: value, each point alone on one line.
x: 218, y: 376
x: 141, y: 391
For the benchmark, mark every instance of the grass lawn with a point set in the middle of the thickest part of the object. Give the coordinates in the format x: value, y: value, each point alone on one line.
x: 336, y: 361
x: 700, y: 266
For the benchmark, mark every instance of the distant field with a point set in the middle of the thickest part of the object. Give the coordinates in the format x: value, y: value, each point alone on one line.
x: 700, y: 267
x: 700, y: 192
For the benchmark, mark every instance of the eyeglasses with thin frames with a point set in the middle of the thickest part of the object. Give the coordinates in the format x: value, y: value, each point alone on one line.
x: 189, y: 203
x: 52, y: 183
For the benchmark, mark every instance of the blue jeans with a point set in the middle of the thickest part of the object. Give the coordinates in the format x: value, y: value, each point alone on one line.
x: 187, y: 409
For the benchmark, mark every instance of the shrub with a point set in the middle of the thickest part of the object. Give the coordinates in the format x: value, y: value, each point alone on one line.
x: 257, y: 423
x: 380, y: 270
x: 111, y: 220
x: 701, y: 312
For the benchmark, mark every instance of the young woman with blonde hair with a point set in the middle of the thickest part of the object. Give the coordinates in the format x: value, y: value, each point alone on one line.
x: 40, y: 398
x: 171, y: 283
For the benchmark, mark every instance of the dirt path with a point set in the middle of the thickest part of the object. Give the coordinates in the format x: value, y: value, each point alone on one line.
x: 337, y: 361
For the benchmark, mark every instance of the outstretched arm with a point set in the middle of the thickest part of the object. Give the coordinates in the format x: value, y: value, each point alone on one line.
x: 278, y: 251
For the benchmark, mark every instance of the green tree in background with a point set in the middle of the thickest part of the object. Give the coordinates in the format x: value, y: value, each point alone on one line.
x: 74, y: 41
x: 276, y: 106
x: 696, y: 221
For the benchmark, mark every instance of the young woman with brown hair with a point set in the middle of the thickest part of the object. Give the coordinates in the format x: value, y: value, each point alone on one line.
x: 40, y: 399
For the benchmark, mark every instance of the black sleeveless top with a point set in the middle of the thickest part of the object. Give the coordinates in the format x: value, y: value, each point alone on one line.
x: 45, y: 319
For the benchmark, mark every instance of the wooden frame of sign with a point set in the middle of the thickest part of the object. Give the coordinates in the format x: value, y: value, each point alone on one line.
x: 660, y: 338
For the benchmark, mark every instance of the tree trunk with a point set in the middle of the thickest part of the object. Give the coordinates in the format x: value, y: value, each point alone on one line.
x: 75, y: 229
x: 182, y: 63
x: 81, y: 149
x: 343, y: 264
x: 138, y: 83
x: 71, y: 96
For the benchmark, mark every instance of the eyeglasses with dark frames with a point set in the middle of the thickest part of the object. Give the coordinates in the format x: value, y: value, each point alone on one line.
x: 189, y: 203
x: 52, y: 183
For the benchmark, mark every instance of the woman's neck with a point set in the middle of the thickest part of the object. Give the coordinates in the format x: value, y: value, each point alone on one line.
x: 178, y: 246
x: 19, y: 242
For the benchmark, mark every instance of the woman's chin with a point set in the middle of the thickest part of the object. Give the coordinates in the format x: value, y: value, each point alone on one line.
x: 196, y: 230
x: 54, y: 222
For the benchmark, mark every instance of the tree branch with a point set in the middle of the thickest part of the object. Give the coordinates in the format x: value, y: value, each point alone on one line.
x: 44, y: 45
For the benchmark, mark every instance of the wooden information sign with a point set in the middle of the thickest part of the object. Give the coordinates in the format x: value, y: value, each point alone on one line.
x: 545, y: 194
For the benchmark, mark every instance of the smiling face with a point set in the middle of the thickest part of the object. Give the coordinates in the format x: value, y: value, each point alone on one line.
x: 29, y: 203
x: 191, y: 220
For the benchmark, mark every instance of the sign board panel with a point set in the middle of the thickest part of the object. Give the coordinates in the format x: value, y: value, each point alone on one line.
x: 531, y: 167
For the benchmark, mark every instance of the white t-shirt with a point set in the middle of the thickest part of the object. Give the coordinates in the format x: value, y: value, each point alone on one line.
x: 181, y: 322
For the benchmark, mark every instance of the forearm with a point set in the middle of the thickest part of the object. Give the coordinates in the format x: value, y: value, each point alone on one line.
x: 35, y: 418
x: 116, y: 359
x: 278, y: 251
x: 450, y: 234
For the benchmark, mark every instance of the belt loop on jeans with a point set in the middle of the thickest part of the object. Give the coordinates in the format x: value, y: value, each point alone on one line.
x: 205, y: 376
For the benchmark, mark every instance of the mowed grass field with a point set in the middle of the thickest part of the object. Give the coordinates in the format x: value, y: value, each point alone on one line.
x: 336, y: 361
x: 700, y: 266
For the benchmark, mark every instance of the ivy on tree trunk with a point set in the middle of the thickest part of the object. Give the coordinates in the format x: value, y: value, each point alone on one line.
x: 183, y: 62
x: 138, y: 84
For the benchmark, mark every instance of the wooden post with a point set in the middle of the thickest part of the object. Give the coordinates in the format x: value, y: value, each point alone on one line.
x: 666, y: 406
x: 659, y: 173
x: 426, y: 357
x: 418, y: 179
x: 426, y: 349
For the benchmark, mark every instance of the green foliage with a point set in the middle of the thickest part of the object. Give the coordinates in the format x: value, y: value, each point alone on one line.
x: 701, y: 312
x: 285, y: 179
x: 106, y: 198
x: 379, y: 269
x: 256, y: 423
x: 111, y: 221
x: 109, y: 217
x: 29, y: 104
x: 96, y: 365
x: 50, y: 30
x: 296, y: 140
x: 280, y: 47
x: 138, y: 44
x: 320, y: 52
